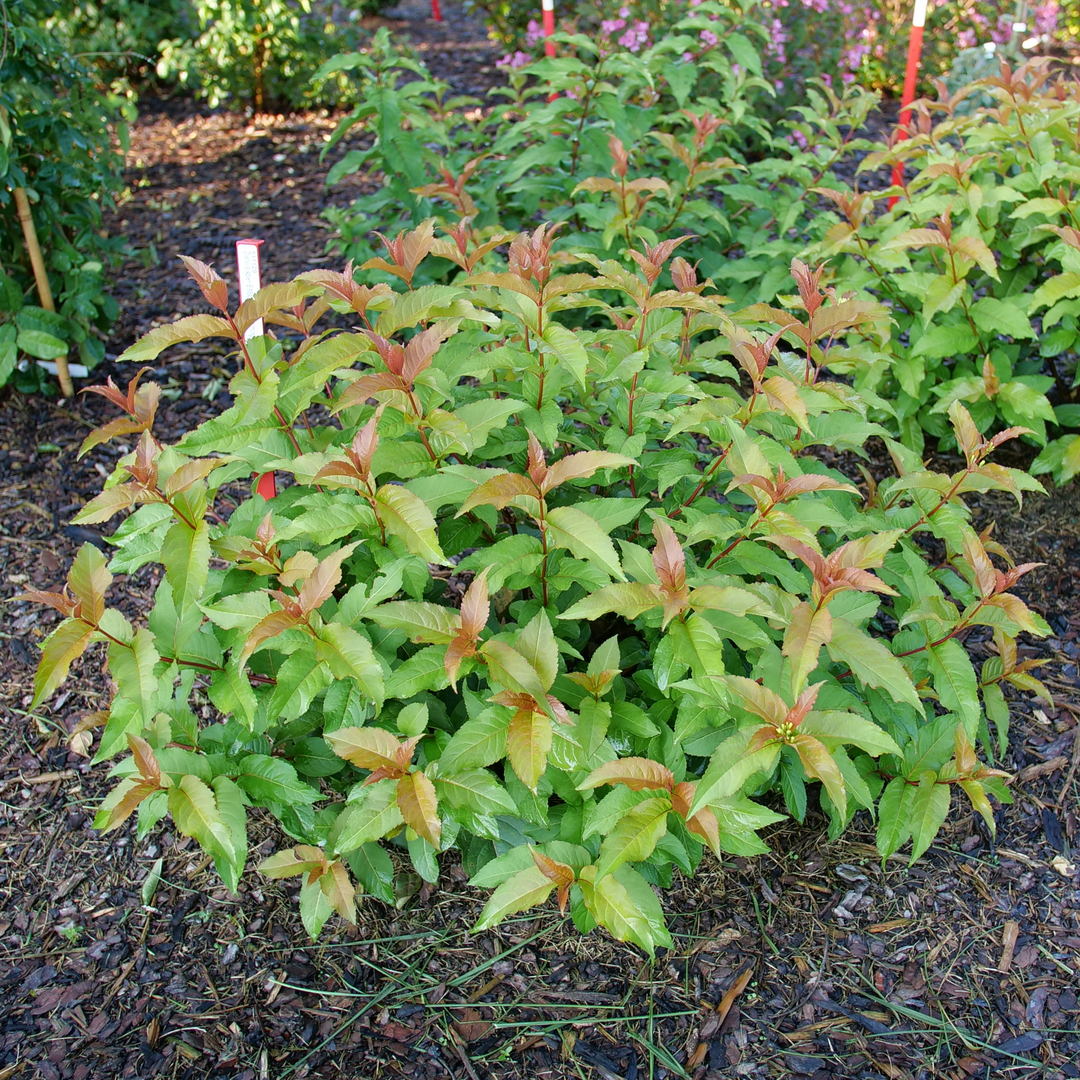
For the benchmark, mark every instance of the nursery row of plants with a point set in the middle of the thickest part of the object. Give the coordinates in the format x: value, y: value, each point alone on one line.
x: 607, y: 536
x: 70, y: 75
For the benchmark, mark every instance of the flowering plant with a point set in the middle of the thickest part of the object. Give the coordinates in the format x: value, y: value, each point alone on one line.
x: 840, y: 41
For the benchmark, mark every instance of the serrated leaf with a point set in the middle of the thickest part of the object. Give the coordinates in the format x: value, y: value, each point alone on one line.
x: 808, y: 629
x: 374, y: 816
x: 635, y: 835
x: 528, y: 743
x: 526, y: 889
x: 407, y: 517
x: 626, y: 907
x: 62, y: 647
x: 871, y: 662
x: 349, y: 655
x: 583, y: 536
x: 929, y: 808
x: 419, y: 806
x: 273, y: 780
x: 192, y: 328
x: 478, y: 742
x: 569, y: 349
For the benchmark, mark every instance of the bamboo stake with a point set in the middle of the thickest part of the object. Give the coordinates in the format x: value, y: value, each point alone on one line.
x: 33, y: 249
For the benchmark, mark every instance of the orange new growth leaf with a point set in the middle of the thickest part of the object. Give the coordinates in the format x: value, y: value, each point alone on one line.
x: 145, y: 762
x: 576, y: 467
x: 320, y: 584
x: 209, y: 281
x: 418, y: 803
x: 475, y: 608
x: 635, y: 773
x: 367, y: 748
x: 561, y: 874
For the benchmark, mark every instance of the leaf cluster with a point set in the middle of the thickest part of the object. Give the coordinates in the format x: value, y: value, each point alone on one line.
x: 562, y: 574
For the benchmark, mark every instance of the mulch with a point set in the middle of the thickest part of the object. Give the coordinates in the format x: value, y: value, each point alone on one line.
x: 814, y: 961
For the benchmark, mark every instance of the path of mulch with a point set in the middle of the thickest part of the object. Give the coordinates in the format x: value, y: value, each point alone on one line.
x: 966, y: 965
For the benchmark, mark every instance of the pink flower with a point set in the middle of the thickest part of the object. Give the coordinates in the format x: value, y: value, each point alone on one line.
x: 534, y: 33
x: 609, y: 26
x: 1003, y: 31
x: 514, y: 60
x: 799, y: 139
x: 966, y: 39
x: 709, y: 39
x: 1045, y: 17
x: 636, y: 36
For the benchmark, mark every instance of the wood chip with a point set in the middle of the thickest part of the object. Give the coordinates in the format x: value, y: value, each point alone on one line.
x: 1042, y: 768
x: 1008, y: 942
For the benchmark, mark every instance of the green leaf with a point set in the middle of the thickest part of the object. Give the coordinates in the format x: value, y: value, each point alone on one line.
x: 348, y: 655
x: 273, y: 780
x: 407, y: 517
x: 425, y: 670
x: 230, y: 860
x: 195, y: 813
x: 635, y: 835
x: 929, y: 808
x: 536, y: 643
x: 185, y: 554
x: 478, y: 742
x: 626, y: 907
x: 133, y: 669
x: 63, y: 646
x: 374, y: 815
x: 955, y: 682
x: 628, y: 600
x: 421, y: 621
x: 41, y: 345
x: 524, y: 890
x: 474, y: 789
x: 583, y: 536
x: 871, y: 662
x: 374, y: 870
x: 730, y: 767
x: 1002, y: 317
x: 569, y: 349
x: 894, y: 815
x: 509, y: 668
x: 837, y: 728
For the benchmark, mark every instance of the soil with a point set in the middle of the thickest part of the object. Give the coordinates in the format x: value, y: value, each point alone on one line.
x: 814, y: 961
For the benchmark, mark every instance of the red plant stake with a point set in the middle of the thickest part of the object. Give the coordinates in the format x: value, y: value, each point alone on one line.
x: 249, y: 275
x: 548, y: 7
x: 918, y: 21
x: 436, y: 11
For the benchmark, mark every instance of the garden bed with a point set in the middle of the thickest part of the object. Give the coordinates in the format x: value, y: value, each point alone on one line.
x: 965, y: 965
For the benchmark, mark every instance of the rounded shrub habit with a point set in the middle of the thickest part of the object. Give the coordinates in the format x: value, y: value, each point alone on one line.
x: 564, y: 577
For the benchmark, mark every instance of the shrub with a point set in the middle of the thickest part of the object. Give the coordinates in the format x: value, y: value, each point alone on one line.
x: 566, y: 578
x: 837, y: 40
x: 120, y: 38
x: 263, y: 53
x: 996, y: 179
x: 62, y: 137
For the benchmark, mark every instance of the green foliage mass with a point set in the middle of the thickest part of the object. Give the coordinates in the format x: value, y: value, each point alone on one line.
x: 62, y: 137
x: 563, y: 580
x: 976, y: 262
x: 567, y: 574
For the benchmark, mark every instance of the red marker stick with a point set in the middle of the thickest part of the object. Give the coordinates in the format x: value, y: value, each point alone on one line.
x: 914, y: 52
x: 249, y: 275
x: 436, y: 11
x: 548, y: 14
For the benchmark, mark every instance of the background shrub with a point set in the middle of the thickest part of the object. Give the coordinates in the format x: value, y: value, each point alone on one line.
x: 62, y: 137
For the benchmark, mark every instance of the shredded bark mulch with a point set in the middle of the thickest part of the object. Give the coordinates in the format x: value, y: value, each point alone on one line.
x: 814, y: 961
